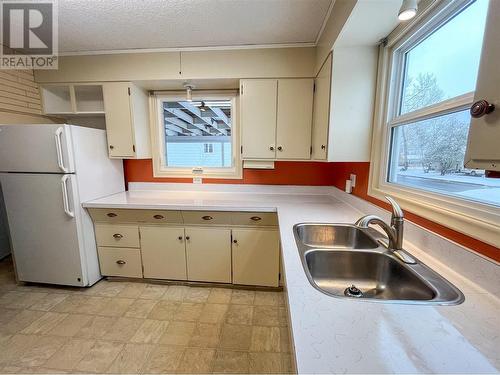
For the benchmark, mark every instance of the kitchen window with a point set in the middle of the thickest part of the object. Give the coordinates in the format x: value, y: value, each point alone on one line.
x: 427, y: 73
x: 196, y: 138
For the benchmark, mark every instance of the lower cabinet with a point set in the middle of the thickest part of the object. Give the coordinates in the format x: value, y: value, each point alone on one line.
x: 242, y: 248
x: 163, y: 253
x: 256, y: 257
x: 208, y: 254
x: 119, y: 261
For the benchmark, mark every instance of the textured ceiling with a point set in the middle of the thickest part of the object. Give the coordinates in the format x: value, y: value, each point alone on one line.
x: 102, y: 25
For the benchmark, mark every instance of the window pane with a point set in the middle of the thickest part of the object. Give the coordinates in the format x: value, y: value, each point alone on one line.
x: 198, y: 134
x: 445, y: 64
x: 429, y: 155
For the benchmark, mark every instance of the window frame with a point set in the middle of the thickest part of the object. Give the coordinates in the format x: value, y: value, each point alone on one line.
x: 160, y: 169
x: 476, y: 219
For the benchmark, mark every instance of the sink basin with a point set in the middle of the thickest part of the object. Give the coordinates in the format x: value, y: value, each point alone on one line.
x: 346, y: 261
x: 335, y: 236
x: 376, y: 275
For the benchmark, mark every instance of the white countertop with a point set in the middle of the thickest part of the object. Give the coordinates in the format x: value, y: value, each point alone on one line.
x: 333, y: 335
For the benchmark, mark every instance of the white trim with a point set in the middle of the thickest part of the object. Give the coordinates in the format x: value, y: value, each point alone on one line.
x: 325, y: 22
x: 158, y: 145
x: 475, y: 219
x: 452, y: 105
x: 190, y: 49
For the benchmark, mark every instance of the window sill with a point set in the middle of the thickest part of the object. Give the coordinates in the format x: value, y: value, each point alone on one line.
x: 470, y: 218
x: 234, y: 174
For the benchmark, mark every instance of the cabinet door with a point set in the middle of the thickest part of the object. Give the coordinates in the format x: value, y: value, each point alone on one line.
x: 295, y: 102
x: 258, y: 118
x: 119, y: 126
x: 163, y: 253
x: 321, y: 111
x: 208, y: 252
x: 483, y: 151
x: 256, y: 257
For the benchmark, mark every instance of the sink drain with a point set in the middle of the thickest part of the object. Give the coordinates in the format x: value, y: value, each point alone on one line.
x: 352, y: 291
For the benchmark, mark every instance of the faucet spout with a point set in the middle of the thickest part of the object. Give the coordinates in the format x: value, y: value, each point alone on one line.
x: 394, y: 231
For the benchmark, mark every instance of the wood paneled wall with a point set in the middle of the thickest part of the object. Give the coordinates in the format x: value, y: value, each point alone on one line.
x: 19, y: 92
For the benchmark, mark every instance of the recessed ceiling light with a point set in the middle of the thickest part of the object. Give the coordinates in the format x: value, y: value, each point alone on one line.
x: 408, y: 10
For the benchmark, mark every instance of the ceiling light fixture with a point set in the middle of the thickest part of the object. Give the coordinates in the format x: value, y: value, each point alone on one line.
x: 189, y: 91
x: 408, y: 10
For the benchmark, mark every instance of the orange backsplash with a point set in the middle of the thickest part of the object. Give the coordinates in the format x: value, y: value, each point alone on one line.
x: 314, y: 174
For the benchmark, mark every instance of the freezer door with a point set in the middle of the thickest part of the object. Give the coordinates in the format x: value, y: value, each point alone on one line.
x: 43, y: 223
x: 41, y: 148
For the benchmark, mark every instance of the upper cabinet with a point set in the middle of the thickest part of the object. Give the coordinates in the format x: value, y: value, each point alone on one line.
x: 258, y: 108
x: 294, y: 119
x: 483, y: 151
x: 321, y: 111
x: 354, y: 79
x: 127, y: 123
x: 276, y: 118
x: 124, y: 106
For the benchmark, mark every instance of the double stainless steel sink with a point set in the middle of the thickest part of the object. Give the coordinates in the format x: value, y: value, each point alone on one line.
x: 348, y: 261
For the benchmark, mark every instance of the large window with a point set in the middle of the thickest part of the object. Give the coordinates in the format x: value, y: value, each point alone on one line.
x: 198, y: 137
x: 435, y: 72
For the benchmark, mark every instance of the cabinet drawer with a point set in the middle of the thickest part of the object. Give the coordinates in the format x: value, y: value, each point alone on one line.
x: 206, y: 217
x: 119, y: 215
x: 117, y: 235
x: 117, y: 261
x: 255, y: 218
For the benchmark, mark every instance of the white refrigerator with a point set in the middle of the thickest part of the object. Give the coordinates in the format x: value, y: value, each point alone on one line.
x: 46, y: 172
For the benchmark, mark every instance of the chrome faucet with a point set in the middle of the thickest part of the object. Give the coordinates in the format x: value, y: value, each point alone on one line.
x: 394, y: 231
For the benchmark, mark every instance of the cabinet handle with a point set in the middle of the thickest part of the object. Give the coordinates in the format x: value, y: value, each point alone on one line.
x: 235, y: 241
x: 117, y: 236
x: 256, y: 218
x: 180, y: 238
x: 187, y: 238
x: 111, y: 147
x: 111, y: 214
x: 207, y: 217
x: 121, y: 262
x: 159, y: 217
x: 280, y: 148
x: 481, y: 108
x: 271, y: 148
x: 323, y: 147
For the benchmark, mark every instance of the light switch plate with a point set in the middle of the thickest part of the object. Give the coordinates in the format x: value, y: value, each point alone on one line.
x: 197, y: 180
x: 353, y: 180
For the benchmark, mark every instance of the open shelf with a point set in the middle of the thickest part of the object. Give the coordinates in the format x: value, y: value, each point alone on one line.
x: 57, y: 99
x: 80, y: 99
x: 89, y: 99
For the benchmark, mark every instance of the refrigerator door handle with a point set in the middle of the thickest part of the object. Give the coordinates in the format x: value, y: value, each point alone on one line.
x: 60, y: 160
x: 64, y: 186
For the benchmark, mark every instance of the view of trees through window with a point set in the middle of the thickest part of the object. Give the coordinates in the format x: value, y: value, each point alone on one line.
x: 429, y: 153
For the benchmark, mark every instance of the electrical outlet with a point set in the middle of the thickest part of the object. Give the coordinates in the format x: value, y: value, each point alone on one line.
x: 197, y: 180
